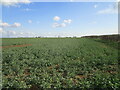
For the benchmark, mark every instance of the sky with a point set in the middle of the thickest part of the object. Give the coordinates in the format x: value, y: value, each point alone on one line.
x: 53, y: 19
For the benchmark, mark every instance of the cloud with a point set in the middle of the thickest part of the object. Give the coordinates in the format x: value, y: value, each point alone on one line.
x: 56, y: 18
x: 64, y: 23
x: 118, y: 0
x: 95, y: 6
x: 16, y: 25
x: 67, y: 21
x: 25, y: 34
x: 1, y: 30
x: 61, y: 34
x: 55, y: 25
x: 29, y: 21
x: 12, y: 33
x: 109, y: 10
x: 0, y: 21
x: 27, y: 9
x: 13, y: 2
x: 4, y: 24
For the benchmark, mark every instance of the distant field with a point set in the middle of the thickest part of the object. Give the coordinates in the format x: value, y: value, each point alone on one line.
x: 60, y: 63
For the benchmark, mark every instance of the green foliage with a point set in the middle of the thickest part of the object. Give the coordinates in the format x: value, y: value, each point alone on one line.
x: 60, y: 63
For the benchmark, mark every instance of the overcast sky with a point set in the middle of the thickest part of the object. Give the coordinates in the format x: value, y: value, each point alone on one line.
x: 52, y: 19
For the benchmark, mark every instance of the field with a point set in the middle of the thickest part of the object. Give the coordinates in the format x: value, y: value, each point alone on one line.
x: 59, y: 63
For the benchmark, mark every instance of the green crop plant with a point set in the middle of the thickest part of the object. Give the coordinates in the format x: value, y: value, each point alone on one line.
x: 60, y: 63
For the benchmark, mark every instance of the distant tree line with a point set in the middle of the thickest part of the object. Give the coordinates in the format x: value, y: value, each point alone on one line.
x: 115, y: 37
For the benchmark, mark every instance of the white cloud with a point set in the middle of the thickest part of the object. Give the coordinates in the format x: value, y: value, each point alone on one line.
x: 0, y: 21
x: 1, y: 30
x: 64, y: 23
x: 56, y: 18
x: 29, y: 21
x: 16, y: 25
x: 27, y: 9
x: 4, y: 24
x: 118, y: 0
x: 13, y: 2
x: 67, y: 21
x: 108, y: 11
x: 25, y: 34
x: 21, y: 33
x: 12, y: 33
x: 30, y: 33
x: 95, y: 6
x: 60, y: 34
x: 55, y: 25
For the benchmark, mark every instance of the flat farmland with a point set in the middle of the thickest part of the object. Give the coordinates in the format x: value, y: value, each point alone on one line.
x: 59, y: 63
